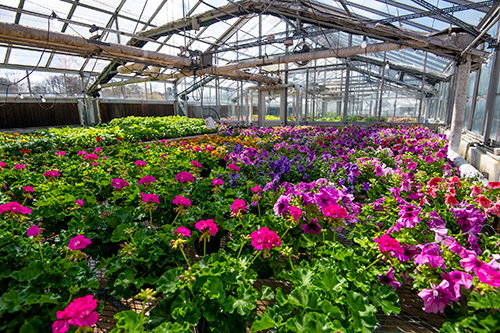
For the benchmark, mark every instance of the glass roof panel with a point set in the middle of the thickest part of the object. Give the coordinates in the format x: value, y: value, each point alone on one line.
x: 5, y: 15
x: 67, y: 62
x: 28, y: 57
x: 91, y: 16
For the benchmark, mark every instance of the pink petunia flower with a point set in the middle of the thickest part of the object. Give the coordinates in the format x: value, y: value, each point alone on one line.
x: 92, y: 157
x: 3, y: 165
x: 493, y: 185
x: 196, y: 164
x: 15, y: 208
x: 233, y: 167
x: 79, y: 202
x: 78, y: 243
x: 51, y: 174
x: 388, y: 244
x: 484, y: 202
x: 437, y: 297
x: 217, y: 182
x: 98, y: 149
x: 61, y: 153
x: 335, y: 211
x: 19, y: 166
x: 140, y: 163
x: 265, y: 239
x: 180, y: 200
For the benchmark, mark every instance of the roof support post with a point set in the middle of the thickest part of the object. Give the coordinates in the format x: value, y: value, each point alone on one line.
x: 421, y: 104
x: 457, y: 120
x: 381, y: 90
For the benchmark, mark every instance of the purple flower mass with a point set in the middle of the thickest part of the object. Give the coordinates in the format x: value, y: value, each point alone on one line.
x: 437, y: 297
x: 389, y: 279
x: 312, y: 227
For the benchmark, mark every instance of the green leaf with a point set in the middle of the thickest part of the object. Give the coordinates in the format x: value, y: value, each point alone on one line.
x: 331, y: 310
x: 245, y: 302
x: 128, y: 321
x: 185, y: 310
x: 267, y: 294
x: 167, y: 283
x: 214, y: 289
x: 126, y: 278
x: 310, y: 322
x: 33, y: 325
x: 173, y: 328
x: 34, y: 270
x: 266, y: 321
x: 387, y: 299
x: 304, y: 298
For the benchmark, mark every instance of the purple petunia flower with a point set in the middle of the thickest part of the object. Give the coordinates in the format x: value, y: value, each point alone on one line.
x: 437, y: 297
x: 312, y: 227
x: 389, y: 279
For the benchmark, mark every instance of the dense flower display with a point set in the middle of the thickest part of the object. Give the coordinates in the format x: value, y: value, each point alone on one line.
x: 366, y: 209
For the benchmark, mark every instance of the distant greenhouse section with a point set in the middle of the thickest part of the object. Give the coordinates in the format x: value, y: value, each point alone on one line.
x: 261, y: 62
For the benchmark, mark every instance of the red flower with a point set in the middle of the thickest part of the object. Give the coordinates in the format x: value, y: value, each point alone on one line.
x: 493, y: 185
x: 451, y: 200
x: 119, y: 139
x: 99, y: 139
x: 484, y: 202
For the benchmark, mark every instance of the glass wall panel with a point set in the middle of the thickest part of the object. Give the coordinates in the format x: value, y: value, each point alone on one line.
x: 477, y: 123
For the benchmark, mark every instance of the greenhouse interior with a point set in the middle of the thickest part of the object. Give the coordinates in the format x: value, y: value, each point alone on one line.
x: 249, y: 166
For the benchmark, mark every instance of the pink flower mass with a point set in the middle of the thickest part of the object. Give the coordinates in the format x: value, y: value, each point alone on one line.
x: 15, y: 208
x: 140, y: 163
x: 196, y: 164
x: 182, y: 231
x: 119, y: 183
x: 52, y: 174
x: 265, y: 239
x: 208, y: 224
x: 78, y: 243
x: 33, y: 231
x: 80, y: 312
x: 180, y: 200
x: 150, y: 197
x: 238, y: 206
x: 184, y: 177
x: 147, y: 180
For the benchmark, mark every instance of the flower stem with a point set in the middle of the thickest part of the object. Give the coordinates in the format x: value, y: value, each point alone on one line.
x: 40, y: 250
x: 151, y: 219
x: 176, y: 217
x: 184, y: 254
x: 254, y: 257
x: 241, y: 248
x: 204, y: 246
x: 12, y: 225
x: 373, y: 263
x: 258, y: 209
x: 142, y: 313
x: 491, y: 303
x: 291, y: 263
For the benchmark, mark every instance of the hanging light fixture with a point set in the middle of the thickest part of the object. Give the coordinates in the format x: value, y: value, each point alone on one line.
x: 43, y: 99
x: 364, y: 43
x: 387, y: 66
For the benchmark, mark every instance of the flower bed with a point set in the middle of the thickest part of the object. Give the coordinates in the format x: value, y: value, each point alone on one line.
x: 281, y: 198
x: 120, y: 129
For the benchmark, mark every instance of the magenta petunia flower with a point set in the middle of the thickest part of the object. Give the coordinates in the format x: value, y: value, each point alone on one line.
x: 3, y: 165
x: 388, y: 244
x: 208, y: 224
x: 484, y: 202
x: 82, y: 152
x: 60, y: 153
x: 51, y: 174
x: 28, y: 189
x: 437, y: 297
x: 183, y: 231
x: 150, y: 197
x: 282, y: 205
x: 457, y: 279
x: 140, y: 163
x: 312, y: 227
x: 196, y: 164
x: 389, y: 279
x: 493, y: 185
x: 147, y: 180
x: 180, y: 200
x: 184, y: 177
x: 79, y: 242
x: 80, y: 312
x: 295, y: 212
x: 79, y: 202
x: 98, y: 149
x: 119, y: 183
x: 19, y: 166
x: 265, y: 239
x: 431, y: 254
x: 34, y: 231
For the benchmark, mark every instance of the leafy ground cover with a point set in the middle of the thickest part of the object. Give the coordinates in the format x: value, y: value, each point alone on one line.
x: 280, y: 197
x: 120, y: 129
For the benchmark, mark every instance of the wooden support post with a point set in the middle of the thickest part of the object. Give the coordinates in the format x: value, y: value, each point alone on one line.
x: 457, y: 120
